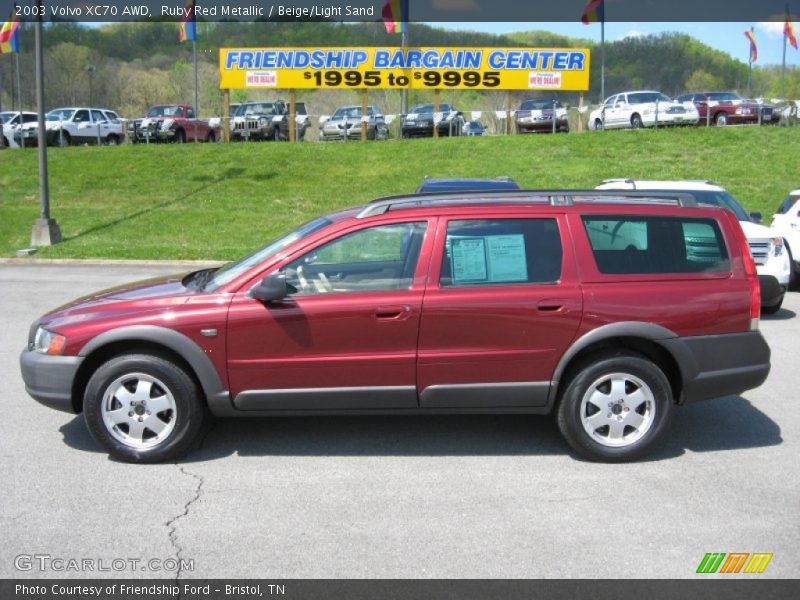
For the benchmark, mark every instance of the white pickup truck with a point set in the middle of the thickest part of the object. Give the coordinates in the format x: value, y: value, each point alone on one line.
x: 67, y: 126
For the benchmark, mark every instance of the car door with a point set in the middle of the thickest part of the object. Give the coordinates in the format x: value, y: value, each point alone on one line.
x: 608, y: 112
x: 80, y: 129
x: 346, y: 338
x: 501, y: 307
x: 100, y: 124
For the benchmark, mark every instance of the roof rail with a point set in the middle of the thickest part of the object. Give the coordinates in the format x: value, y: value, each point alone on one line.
x: 553, y: 197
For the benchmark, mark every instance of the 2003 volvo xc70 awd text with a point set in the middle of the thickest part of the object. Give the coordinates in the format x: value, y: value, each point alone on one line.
x: 607, y: 308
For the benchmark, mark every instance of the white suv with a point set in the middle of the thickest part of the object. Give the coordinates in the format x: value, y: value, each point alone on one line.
x: 66, y: 126
x: 642, y: 109
x: 787, y: 223
x: 766, y: 244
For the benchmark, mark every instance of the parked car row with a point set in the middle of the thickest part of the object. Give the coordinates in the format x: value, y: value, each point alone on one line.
x: 648, y: 108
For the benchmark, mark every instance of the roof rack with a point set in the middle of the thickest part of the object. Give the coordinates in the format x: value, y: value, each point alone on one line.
x: 556, y: 197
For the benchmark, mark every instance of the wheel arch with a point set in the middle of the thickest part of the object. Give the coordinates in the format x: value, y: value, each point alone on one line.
x: 640, y: 338
x: 147, y: 339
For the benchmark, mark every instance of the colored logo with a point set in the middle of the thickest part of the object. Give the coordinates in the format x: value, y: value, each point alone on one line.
x: 735, y: 562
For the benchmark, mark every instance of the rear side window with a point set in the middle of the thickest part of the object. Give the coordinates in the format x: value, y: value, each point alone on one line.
x: 501, y: 252
x: 647, y: 245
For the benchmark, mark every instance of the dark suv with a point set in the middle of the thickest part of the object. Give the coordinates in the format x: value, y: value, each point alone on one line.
x: 598, y: 306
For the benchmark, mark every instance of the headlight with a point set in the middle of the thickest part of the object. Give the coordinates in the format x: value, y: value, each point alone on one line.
x: 167, y: 123
x: 262, y: 122
x: 776, y: 246
x: 47, y: 342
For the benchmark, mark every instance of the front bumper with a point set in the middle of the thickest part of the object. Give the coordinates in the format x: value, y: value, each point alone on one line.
x: 49, y: 379
x: 544, y: 126
x: 720, y: 365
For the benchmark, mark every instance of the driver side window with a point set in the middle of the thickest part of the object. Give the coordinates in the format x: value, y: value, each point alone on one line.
x: 374, y: 259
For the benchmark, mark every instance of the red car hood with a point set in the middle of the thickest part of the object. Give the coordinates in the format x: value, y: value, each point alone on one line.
x: 150, y: 293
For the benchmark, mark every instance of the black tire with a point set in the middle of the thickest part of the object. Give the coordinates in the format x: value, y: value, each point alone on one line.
x: 210, y: 138
x: 636, y: 121
x: 721, y: 119
x: 793, y: 274
x: 180, y: 136
x: 186, y: 420
x: 598, y: 125
x: 772, y: 309
x: 63, y: 139
x: 584, y: 378
x: 276, y: 134
x: 112, y: 140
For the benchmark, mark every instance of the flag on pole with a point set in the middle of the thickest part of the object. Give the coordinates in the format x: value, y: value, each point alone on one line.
x: 187, y: 30
x: 751, y: 35
x: 788, y: 31
x: 9, y: 35
x: 594, y: 12
x: 395, y: 16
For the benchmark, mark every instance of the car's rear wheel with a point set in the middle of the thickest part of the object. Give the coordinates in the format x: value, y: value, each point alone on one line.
x: 721, y: 119
x: 112, y: 140
x: 773, y: 308
x: 143, y: 408
x: 63, y: 139
x: 636, y: 121
x: 180, y: 136
x: 615, y: 407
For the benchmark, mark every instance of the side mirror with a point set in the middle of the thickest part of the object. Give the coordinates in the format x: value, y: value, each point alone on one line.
x: 756, y: 216
x: 271, y: 289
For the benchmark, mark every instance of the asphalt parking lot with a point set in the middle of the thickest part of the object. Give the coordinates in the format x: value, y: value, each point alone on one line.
x: 385, y: 497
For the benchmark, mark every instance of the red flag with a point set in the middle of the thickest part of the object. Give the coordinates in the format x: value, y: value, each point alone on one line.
x: 593, y: 12
x: 788, y: 31
x: 750, y: 35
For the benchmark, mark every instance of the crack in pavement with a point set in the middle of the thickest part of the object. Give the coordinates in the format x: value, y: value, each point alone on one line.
x: 172, y: 524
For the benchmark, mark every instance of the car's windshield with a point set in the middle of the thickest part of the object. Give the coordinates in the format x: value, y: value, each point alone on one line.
x: 60, y: 114
x: 539, y: 105
x: 165, y: 111
x: 724, y: 200
x: 428, y: 108
x: 645, y: 97
x: 725, y: 97
x: 6, y: 117
x: 260, y: 108
x: 231, y: 271
x: 350, y: 112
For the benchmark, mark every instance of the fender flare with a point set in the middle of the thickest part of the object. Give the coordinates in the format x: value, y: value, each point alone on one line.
x: 665, y: 338
x: 177, y: 342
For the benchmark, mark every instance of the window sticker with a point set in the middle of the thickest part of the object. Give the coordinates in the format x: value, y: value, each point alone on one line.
x: 507, y: 260
x: 469, y: 259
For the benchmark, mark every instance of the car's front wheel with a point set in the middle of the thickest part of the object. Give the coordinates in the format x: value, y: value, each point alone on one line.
x: 143, y: 408
x: 636, y: 121
x: 615, y: 408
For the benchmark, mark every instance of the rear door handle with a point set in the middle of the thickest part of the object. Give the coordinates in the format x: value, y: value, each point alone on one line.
x: 552, y: 305
x: 392, y: 313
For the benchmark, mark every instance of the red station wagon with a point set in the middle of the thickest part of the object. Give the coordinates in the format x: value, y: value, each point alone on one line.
x: 606, y: 308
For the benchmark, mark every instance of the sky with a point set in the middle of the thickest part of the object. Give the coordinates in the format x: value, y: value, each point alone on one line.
x: 728, y: 37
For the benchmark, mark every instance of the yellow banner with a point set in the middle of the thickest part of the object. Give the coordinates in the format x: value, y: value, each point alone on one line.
x: 403, y: 68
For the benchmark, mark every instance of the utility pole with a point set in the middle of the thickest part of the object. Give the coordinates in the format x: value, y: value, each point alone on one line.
x: 46, y: 231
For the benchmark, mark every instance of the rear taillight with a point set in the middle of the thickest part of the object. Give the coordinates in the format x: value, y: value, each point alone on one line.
x: 751, y: 274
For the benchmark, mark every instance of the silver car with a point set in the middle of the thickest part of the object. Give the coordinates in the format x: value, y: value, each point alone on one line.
x: 346, y: 121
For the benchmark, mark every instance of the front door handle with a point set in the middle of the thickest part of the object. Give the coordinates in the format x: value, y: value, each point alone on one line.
x: 392, y: 313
